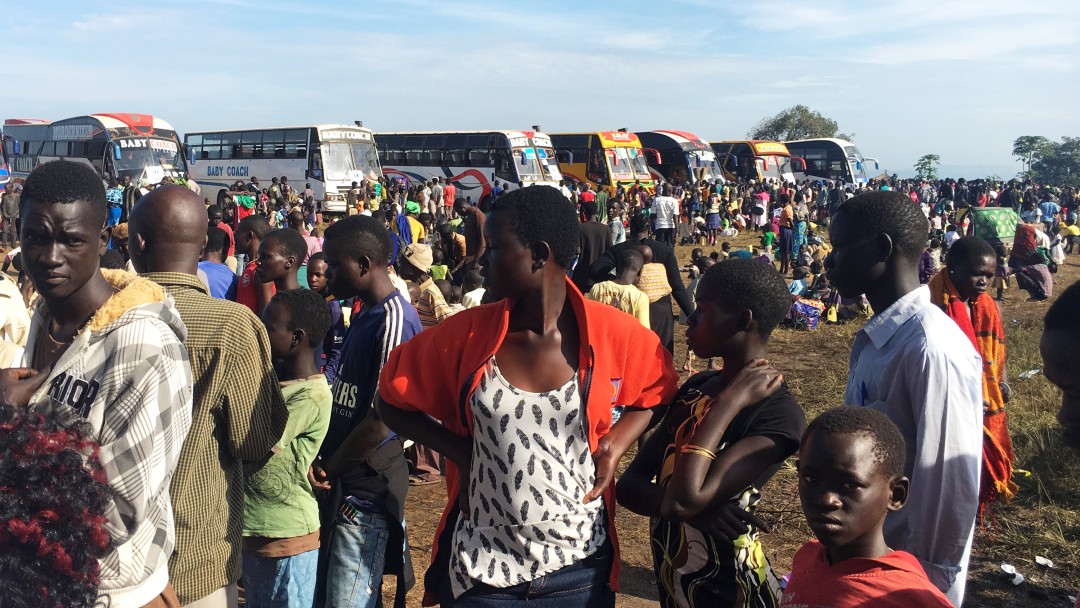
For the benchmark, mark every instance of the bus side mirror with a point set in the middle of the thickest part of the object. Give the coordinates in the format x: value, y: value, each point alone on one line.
x: 115, y: 151
x: 858, y: 165
x: 190, y: 154
x: 18, y: 147
x: 655, y: 154
x: 564, y: 156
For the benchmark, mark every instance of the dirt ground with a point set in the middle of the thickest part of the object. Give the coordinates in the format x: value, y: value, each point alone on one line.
x: 1042, y: 520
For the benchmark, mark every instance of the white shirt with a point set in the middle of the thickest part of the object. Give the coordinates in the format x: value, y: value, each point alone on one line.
x: 474, y: 298
x: 665, y: 208
x: 913, y: 363
x: 531, y: 467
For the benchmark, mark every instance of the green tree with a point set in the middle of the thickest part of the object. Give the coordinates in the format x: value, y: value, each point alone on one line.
x: 1027, y: 147
x: 796, y: 122
x: 1057, y: 163
x: 926, y: 167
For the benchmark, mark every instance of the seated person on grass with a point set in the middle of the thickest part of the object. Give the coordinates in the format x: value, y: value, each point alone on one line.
x: 851, y: 474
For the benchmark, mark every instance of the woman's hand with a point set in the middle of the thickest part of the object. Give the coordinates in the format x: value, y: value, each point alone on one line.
x: 753, y: 383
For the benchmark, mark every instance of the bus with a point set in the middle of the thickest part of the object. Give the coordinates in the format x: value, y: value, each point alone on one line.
x: 330, y: 157
x: 139, y: 146
x: 830, y: 158
x: 603, y: 159
x: 756, y: 159
x: 680, y: 157
x: 471, y: 160
x: 5, y: 173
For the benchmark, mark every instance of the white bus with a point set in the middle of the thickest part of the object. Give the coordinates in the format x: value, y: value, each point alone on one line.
x: 829, y: 158
x: 329, y: 157
x: 680, y: 157
x: 139, y: 146
x: 471, y: 160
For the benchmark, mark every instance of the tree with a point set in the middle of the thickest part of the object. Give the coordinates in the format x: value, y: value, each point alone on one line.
x: 796, y: 122
x: 926, y: 166
x: 1057, y: 163
x: 1027, y: 147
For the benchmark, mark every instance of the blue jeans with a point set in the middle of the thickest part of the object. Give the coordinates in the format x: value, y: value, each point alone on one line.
x: 357, y: 555
x: 580, y: 585
x: 280, y: 582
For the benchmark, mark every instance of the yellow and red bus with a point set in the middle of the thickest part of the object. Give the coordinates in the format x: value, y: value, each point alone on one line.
x: 603, y: 159
x: 757, y: 159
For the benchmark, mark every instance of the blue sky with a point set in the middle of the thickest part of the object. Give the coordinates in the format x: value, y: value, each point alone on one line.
x: 907, y: 77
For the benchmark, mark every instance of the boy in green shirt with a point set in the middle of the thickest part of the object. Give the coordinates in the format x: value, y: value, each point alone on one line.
x: 281, y: 516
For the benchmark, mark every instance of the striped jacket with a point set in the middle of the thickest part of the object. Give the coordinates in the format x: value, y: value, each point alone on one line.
x: 127, y: 374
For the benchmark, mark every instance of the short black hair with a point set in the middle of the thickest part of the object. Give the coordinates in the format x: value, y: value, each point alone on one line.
x: 889, y: 212
x: 66, y: 182
x: 472, y: 280
x: 890, y: 449
x: 112, y: 260
x: 968, y: 249
x: 361, y: 236
x: 256, y: 224
x: 736, y: 284
x: 318, y: 256
x: 212, y: 209
x: 630, y: 258
x: 542, y: 213
x: 216, y: 239
x: 307, y: 311
x: 290, y: 241
x: 1062, y: 316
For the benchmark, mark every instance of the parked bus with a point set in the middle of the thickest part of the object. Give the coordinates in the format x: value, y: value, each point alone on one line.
x: 603, y: 159
x: 829, y: 158
x: 329, y: 157
x: 139, y: 146
x: 472, y: 160
x: 5, y: 173
x: 680, y: 157
x: 756, y: 159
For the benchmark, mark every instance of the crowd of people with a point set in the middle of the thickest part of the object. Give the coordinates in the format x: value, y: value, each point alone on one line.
x: 203, y: 398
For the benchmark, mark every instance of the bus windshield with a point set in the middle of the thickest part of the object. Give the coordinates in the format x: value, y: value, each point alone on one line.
x: 528, y: 165
x: 619, y: 163
x: 703, y: 162
x: 156, y: 157
x: 550, y: 164
x: 344, y: 161
x: 773, y: 166
x: 640, y: 163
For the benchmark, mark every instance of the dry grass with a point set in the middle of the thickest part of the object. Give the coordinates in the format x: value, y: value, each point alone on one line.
x: 1044, y: 519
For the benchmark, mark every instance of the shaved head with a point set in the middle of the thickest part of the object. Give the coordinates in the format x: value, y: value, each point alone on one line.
x: 167, y: 231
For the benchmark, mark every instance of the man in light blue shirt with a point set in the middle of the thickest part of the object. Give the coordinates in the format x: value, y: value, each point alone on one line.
x: 913, y: 363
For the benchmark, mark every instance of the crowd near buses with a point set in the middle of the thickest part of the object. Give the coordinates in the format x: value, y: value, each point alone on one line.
x: 229, y: 356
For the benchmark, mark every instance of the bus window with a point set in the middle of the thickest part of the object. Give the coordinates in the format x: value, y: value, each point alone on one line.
x: 596, y: 170
x: 504, y: 166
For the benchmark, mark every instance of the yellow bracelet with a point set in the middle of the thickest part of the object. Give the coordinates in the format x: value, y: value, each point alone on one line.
x: 697, y: 449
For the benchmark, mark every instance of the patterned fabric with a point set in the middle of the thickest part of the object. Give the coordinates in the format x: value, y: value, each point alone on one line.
x: 431, y: 306
x: 694, y: 570
x: 238, y: 416
x: 654, y: 281
x: 127, y: 374
x: 981, y: 323
x: 531, y: 467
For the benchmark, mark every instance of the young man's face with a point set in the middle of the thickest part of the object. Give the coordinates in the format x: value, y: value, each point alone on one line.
x: 216, y: 217
x: 277, y: 319
x: 272, y: 263
x: 344, y: 277
x: 845, y: 494
x: 1062, y: 368
x: 316, y: 275
x: 973, y: 278
x: 851, y: 266
x: 61, y: 247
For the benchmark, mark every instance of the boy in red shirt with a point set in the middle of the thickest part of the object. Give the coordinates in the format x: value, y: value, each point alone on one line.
x: 249, y: 235
x: 851, y: 474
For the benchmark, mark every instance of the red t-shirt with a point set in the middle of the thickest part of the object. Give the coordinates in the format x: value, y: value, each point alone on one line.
x: 895, y: 580
x: 448, y: 194
x: 587, y: 197
x: 247, y: 289
x: 232, y: 240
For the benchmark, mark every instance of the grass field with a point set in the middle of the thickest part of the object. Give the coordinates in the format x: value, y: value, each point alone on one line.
x: 1043, y: 520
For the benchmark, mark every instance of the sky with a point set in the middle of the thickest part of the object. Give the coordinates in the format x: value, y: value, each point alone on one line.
x: 907, y: 77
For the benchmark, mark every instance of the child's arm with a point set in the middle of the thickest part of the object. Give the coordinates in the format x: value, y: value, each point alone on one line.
x: 698, y: 479
x: 635, y: 490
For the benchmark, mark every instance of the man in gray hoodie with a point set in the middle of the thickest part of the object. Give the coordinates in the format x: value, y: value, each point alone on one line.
x: 110, y: 348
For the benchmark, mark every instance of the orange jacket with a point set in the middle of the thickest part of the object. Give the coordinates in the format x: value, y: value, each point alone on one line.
x: 436, y: 372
